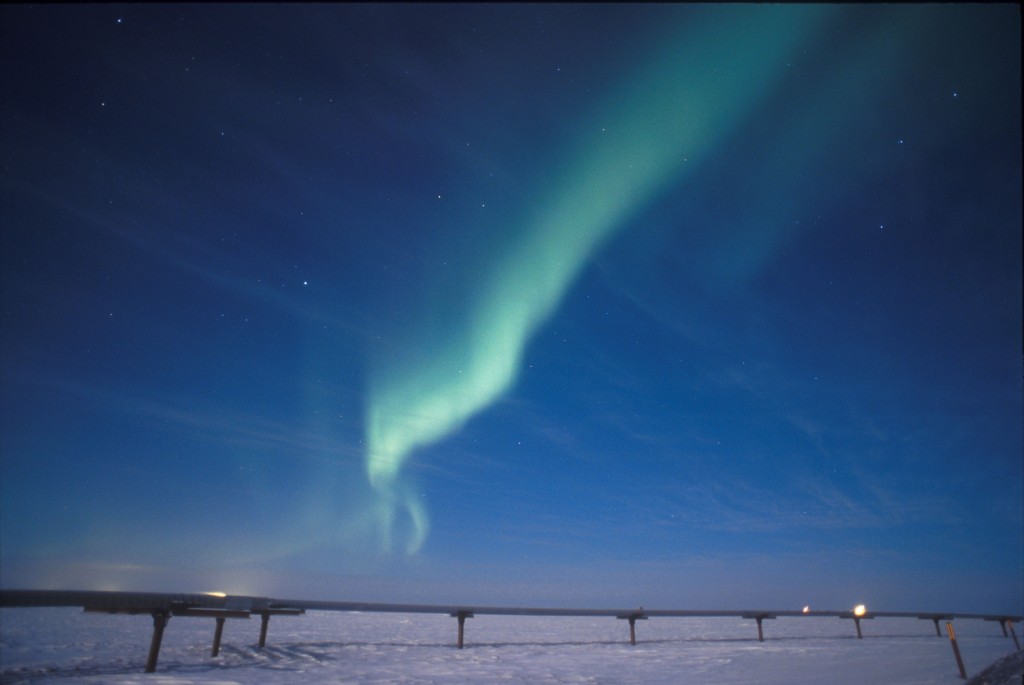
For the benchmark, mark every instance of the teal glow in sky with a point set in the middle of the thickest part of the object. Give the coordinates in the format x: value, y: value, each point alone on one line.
x: 688, y: 305
x: 661, y: 121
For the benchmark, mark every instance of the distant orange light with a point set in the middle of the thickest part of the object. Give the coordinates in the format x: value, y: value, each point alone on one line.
x: 215, y: 594
x: 860, y: 610
x: 807, y: 609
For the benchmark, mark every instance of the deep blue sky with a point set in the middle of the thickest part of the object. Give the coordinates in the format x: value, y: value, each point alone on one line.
x: 682, y: 306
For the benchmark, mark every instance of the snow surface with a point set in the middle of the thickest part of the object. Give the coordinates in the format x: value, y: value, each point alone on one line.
x: 1007, y: 671
x: 52, y: 645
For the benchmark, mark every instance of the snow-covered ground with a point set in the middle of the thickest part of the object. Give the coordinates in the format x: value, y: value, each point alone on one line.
x: 66, y: 645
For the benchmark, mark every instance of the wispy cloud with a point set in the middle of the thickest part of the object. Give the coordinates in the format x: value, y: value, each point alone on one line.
x: 809, y: 504
x: 201, y: 418
x: 164, y: 244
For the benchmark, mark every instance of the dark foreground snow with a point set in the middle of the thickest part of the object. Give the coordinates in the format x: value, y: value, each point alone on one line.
x: 1007, y: 671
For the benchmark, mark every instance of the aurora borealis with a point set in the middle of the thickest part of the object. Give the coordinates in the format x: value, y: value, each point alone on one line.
x: 611, y: 175
x: 513, y: 303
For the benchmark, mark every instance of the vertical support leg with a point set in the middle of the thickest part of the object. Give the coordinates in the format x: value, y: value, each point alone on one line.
x: 856, y: 620
x: 1002, y: 624
x: 462, y: 616
x: 938, y: 632
x: 1014, y: 634
x: 216, y: 637
x: 633, y: 618
x: 760, y: 631
x: 265, y: 620
x: 956, y: 650
x: 160, y: 618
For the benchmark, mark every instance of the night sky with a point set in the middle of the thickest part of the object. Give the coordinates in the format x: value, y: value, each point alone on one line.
x: 687, y: 306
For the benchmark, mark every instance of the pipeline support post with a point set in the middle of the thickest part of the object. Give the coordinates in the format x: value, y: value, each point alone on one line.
x: 759, y: 618
x: 462, y: 616
x: 273, y: 611
x: 217, y: 633
x: 160, y: 619
x: 856, y: 622
x: 1004, y: 623
x: 633, y: 618
x: 956, y: 650
x: 264, y: 621
x: 934, y: 618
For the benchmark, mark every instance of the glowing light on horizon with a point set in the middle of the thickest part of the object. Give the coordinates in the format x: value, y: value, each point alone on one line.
x: 807, y: 609
x: 860, y: 610
x: 649, y: 133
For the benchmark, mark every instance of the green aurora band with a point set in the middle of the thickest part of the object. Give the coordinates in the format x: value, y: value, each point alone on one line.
x: 651, y: 133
